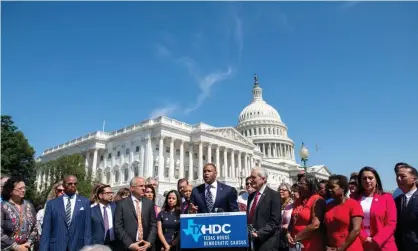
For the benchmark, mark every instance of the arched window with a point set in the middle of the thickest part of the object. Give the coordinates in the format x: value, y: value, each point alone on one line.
x: 108, y: 178
x: 126, y: 174
x: 116, y: 176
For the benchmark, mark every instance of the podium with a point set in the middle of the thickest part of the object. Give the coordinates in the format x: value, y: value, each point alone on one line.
x: 223, y: 231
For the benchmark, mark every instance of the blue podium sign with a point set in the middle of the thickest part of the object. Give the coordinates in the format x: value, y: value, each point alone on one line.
x: 213, y: 230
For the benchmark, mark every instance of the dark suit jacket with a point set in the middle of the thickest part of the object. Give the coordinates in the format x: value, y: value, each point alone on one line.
x: 266, y: 219
x: 406, y: 233
x: 126, y: 222
x: 56, y: 236
x: 226, y: 198
x: 97, y: 223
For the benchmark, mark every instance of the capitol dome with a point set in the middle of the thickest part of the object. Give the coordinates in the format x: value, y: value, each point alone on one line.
x: 261, y: 123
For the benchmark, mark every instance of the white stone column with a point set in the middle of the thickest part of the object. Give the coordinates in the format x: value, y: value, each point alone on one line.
x: 142, y: 172
x: 218, y: 162
x: 200, y: 167
x: 224, y: 170
x: 181, y: 169
x: 171, y: 170
x: 191, y: 178
x: 233, y: 164
x: 149, y: 161
x: 209, y: 156
x: 246, y: 164
x: 274, y: 150
x: 161, y: 159
x: 287, y: 151
x: 87, y: 161
x: 94, y: 167
x: 240, y: 167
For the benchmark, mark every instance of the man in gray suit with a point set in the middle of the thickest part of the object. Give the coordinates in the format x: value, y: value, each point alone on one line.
x: 135, y: 220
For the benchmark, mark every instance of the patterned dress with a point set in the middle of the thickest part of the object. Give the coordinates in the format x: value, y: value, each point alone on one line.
x: 17, y: 226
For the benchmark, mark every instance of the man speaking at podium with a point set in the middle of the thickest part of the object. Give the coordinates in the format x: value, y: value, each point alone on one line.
x: 263, y: 211
x: 213, y: 196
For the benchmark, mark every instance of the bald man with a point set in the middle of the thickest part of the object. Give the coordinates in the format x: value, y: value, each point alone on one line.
x: 67, y: 221
x: 135, y: 219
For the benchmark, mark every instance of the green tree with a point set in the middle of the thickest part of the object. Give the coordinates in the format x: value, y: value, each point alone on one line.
x: 58, y: 169
x: 17, y: 155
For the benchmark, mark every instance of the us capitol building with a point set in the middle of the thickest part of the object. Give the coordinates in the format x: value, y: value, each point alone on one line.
x: 170, y: 149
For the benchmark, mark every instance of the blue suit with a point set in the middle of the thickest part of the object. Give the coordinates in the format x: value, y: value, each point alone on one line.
x: 56, y: 235
x: 226, y: 198
x: 97, y: 224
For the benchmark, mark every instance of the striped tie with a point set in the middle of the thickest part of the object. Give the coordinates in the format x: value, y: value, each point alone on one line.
x: 209, y: 199
x: 68, y: 212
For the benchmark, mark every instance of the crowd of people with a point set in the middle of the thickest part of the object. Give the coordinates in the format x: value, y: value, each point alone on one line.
x: 350, y: 214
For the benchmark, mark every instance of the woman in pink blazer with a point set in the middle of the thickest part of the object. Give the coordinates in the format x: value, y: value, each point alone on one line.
x: 379, y: 210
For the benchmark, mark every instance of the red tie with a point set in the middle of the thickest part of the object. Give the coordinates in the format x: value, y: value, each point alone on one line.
x: 253, y: 207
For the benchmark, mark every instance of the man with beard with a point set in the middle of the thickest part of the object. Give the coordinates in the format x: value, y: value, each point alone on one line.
x: 67, y: 221
x: 213, y: 196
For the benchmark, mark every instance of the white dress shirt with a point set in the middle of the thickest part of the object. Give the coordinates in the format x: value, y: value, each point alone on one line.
x: 65, y: 199
x: 259, y: 197
x: 213, y: 190
x: 409, y: 194
x: 109, y: 219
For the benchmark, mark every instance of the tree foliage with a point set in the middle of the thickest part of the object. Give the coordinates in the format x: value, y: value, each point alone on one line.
x: 56, y: 170
x: 17, y: 155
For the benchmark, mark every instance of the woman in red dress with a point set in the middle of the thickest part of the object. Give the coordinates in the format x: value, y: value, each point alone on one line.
x: 307, y: 216
x: 343, y: 217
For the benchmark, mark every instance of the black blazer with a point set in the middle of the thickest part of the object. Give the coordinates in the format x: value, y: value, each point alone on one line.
x: 406, y: 233
x: 226, y: 198
x: 126, y: 222
x: 266, y: 219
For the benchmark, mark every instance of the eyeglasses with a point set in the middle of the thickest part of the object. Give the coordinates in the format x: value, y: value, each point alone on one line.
x: 59, y: 190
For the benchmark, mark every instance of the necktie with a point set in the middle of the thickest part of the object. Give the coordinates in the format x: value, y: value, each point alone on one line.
x: 404, y: 202
x: 209, y: 199
x: 106, y: 224
x: 138, y: 215
x: 68, y: 211
x: 253, y: 207
x: 185, y: 206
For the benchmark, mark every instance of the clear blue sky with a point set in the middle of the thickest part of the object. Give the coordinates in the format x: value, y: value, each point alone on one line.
x: 343, y: 76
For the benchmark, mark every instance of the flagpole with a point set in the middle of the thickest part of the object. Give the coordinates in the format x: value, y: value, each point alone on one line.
x: 104, y: 122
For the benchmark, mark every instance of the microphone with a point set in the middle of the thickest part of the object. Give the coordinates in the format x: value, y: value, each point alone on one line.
x: 219, y: 210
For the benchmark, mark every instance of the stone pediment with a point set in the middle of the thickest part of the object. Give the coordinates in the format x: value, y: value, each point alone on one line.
x: 231, y: 134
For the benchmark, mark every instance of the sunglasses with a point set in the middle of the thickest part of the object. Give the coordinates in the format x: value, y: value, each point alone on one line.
x: 353, y: 183
x: 248, y: 184
x: 283, y: 190
x: 59, y: 190
x: 72, y: 184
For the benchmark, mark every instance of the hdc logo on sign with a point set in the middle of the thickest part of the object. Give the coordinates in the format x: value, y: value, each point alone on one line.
x: 197, y: 230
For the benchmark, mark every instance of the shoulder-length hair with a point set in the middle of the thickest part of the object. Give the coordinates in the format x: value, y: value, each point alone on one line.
x: 379, y: 187
x: 9, y: 186
x: 52, y: 195
x: 153, y: 191
x: 311, y: 181
x: 178, y: 203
